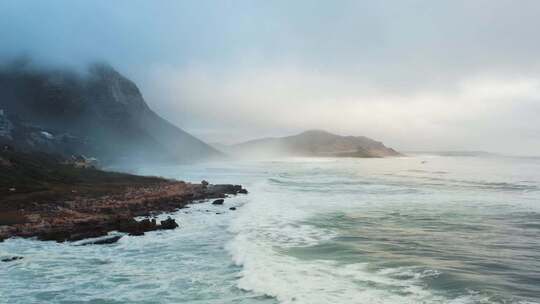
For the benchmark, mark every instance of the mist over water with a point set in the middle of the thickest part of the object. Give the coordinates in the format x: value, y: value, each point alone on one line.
x: 395, y: 230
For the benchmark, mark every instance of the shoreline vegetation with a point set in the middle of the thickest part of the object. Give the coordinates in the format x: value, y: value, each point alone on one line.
x: 50, y: 200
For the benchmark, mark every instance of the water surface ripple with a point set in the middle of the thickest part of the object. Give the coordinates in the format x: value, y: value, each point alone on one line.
x: 452, y: 230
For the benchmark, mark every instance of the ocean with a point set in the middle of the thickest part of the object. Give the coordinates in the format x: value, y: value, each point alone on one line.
x: 418, y: 229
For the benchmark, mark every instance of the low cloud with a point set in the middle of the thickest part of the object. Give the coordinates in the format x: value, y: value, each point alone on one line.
x: 281, y: 100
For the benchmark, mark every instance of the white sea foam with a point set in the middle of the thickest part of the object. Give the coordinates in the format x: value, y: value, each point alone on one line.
x: 266, y: 227
x: 278, y: 218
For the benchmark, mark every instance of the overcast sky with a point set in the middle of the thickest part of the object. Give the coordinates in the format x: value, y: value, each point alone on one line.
x: 418, y: 75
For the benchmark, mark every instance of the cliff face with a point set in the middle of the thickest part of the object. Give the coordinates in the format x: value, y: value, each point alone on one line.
x: 101, y: 114
x: 316, y: 143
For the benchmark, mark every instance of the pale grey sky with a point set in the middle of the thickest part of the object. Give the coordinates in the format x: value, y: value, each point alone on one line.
x: 418, y: 75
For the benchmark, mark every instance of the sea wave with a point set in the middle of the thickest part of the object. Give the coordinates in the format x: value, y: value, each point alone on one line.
x: 467, y: 183
x: 273, y: 223
x: 304, y: 234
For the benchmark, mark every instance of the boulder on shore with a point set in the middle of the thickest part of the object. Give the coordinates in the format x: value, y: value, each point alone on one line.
x: 167, y: 224
x: 135, y: 228
x: 218, y: 202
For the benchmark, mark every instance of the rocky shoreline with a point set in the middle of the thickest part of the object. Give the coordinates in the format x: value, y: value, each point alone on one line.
x: 85, y: 217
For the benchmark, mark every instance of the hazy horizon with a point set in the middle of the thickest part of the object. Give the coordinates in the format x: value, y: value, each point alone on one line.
x: 416, y: 75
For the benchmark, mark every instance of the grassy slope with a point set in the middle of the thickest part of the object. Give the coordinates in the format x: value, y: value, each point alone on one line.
x: 39, y: 177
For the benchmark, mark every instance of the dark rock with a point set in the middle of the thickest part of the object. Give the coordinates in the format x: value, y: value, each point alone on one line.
x: 147, y: 225
x: 218, y: 202
x: 11, y: 259
x: 87, y: 233
x: 75, y: 233
x: 222, y: 189
x: 108, y: 240
x: 55, y: 235
x: 135, y: 228
x: 167, y: 224
x: 243, y: 191
x: 232, y: 208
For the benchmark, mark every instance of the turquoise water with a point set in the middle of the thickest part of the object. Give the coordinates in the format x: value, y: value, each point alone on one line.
x: 450, y: 230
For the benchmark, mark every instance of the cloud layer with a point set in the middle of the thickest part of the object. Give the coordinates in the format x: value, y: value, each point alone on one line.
x: 416, y: 74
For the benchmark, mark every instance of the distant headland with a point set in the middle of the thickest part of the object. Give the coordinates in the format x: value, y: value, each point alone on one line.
x: 312, y: 143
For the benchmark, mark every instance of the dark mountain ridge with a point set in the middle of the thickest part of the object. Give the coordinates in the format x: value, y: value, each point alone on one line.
x: 100, y: 113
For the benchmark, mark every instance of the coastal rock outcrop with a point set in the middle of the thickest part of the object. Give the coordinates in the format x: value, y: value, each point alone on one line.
x: 85, y: 217
x: 43, y: 197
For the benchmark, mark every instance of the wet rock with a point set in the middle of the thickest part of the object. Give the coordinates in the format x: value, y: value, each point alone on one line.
x: 132, y: 227
x: 55, y: 235
x: 11, y: 259
x: 147, y: 225
x: 103, y: 241
x: 86, y: 234
x: 218, y: 202
x: 243, y: 191
x: 222, y: 189
x: 167, y: 224
x: 232, y: 208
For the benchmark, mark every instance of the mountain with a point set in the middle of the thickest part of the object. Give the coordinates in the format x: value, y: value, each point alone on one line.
x: 314, y: 143
x: 99, y: 113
